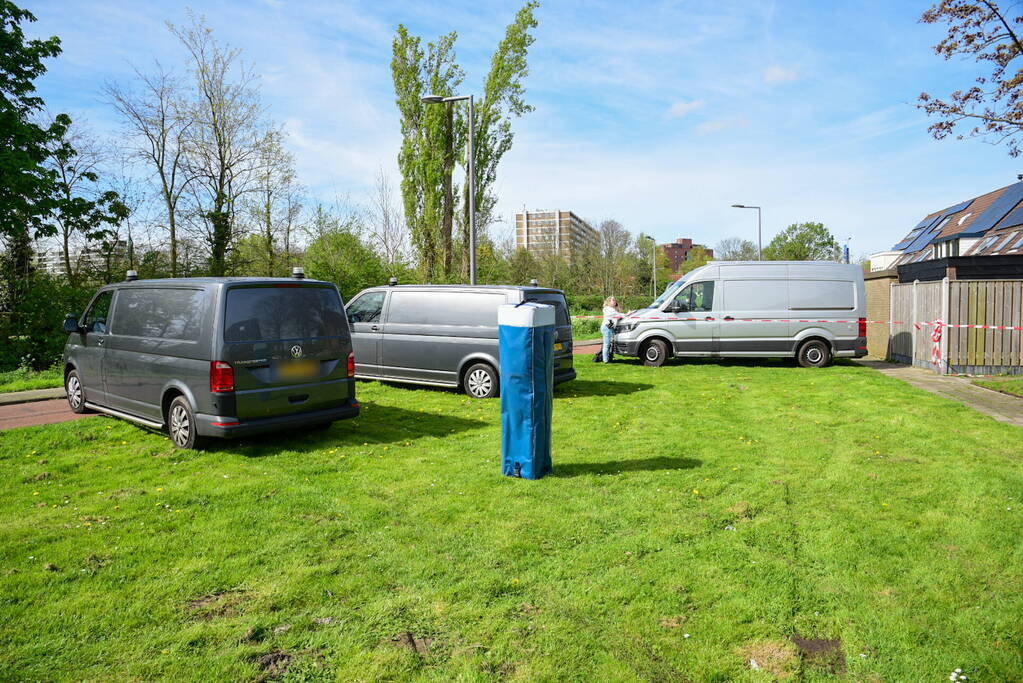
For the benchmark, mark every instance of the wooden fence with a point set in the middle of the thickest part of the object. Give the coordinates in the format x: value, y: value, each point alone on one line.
x: 962, y: 350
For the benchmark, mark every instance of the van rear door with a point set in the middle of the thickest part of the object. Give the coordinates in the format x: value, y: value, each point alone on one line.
x: 563, y: 329
x: 288, y: 344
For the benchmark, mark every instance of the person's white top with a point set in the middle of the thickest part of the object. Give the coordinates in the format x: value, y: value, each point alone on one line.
x: 610, y: 314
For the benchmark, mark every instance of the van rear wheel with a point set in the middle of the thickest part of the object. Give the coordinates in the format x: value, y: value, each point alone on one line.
x: 481, y: 381
x: 181, y: 425
x: 814, y: 354
x: 655, y: 353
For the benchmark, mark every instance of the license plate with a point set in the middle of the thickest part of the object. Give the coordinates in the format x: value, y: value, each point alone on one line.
x: 559, y: 346
x: 298, y: 369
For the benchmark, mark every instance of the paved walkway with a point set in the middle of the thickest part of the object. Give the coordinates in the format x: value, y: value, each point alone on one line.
x: 36, y: 413
x: 999, y: 406
x: 29, y: 396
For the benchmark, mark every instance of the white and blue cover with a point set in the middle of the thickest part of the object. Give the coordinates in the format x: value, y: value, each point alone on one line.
x: 526, y: 337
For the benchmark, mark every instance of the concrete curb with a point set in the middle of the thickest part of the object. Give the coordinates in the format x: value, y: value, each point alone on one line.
x: 16, y: 397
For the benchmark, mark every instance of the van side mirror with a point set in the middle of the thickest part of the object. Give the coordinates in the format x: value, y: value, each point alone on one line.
x: 71, y: 324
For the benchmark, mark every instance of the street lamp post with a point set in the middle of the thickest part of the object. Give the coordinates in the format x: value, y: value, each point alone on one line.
x: 760, y: 242
x: 653, y: 264
x: 437, y: 99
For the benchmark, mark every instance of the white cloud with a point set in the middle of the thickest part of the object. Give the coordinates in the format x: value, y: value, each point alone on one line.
x: 681, y: 108
x: 775, y: 74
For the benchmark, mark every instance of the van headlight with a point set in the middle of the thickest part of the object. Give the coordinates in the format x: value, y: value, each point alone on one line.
x: 626, y: 327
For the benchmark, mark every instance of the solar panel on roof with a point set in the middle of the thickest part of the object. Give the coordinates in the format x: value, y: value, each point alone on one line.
x: 929, y: 227
x: 997, y: 211
x: 1019, y: 243
x: 1014, y: 217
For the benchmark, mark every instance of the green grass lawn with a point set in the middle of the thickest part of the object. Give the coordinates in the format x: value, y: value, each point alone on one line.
x: 700, y: 515
x: 23, y: 380
x: 1006, y: 386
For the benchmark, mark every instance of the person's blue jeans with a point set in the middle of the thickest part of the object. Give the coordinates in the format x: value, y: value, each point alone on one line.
x: 608, y: 335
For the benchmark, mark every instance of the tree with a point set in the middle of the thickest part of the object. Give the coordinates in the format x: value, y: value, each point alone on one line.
x: 156, y: 128
x: 426, y: 158
x: 502, y: 99
x: 991, y: 109
x: 735, y: 249
x: 387, y: 229
x: 222, y: 139
x: 27, y: 188
x: 803, y: 242
x: 82, y: 213
x: 338, y: 254
x: 698, y: 256
x: 273, y: 206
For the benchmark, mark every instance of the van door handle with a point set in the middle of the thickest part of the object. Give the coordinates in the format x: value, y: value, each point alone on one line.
x: 709, y: 319
x: 99, y: 341
x: 374, y: 327
x: 728, y: 317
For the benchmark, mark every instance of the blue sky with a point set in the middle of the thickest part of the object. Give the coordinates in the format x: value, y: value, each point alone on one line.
x: 659, y: 114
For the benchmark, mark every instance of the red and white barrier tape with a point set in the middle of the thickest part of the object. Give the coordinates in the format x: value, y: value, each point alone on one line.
x: 802, y: 320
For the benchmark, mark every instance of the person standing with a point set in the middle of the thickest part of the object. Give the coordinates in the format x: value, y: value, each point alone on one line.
x: 607, y: 327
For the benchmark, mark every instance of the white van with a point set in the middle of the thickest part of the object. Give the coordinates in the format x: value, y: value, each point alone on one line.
x: 809, y: 310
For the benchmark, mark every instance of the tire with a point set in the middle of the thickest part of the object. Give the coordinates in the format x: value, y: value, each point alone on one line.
x: 481, y: 381
x: 814, y: 354
x: 655, y: 353
x: 181, y: 425
x: 75, y: 392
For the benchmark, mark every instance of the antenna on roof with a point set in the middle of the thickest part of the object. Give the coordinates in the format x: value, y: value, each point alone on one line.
x: 534, y: 283
x: 1019, y: 176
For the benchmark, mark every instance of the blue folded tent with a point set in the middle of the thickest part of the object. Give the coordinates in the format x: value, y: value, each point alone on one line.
x: 526, y: 338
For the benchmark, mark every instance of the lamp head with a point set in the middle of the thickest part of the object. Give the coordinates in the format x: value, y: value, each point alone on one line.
x: 433, y: 99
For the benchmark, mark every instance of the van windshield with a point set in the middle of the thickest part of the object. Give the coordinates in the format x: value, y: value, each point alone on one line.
x: 669, y: 291
x: 556, y: 299
x: 275, y: 312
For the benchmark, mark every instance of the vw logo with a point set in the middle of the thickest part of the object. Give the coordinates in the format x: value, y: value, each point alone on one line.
x: 296, y: 351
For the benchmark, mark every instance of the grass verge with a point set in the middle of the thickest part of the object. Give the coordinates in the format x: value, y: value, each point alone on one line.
x: 830, y: 522
x: 25, y: 380
x: 1013, y: 387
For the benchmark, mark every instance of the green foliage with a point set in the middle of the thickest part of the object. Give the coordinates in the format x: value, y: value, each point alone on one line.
x: 341, y: 257
x: 737, y: 502
x: 28, y: 185
x: 803, y: 242
x: 24, y: 378
x: 698, y: 256
x: 993, y: 108
x: 32, y: 335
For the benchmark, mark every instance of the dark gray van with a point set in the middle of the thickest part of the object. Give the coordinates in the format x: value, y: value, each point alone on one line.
x: 218, y: 357
x: 445, y: 335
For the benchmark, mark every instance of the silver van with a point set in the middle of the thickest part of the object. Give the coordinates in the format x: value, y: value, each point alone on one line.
x: 445, y: 335
x: 809, y: 310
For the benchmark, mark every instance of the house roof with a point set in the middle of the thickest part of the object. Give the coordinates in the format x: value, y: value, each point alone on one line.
x: 977, y: 217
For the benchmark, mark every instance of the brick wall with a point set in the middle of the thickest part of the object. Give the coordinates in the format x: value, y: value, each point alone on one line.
x: 879, y: 296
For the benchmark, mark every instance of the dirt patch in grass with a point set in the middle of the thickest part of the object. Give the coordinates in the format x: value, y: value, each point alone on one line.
x: 273, y: 665
x: 216, y: 605
x: 406, y: 640
x: 823, y: 653
x: 776, y: 657
x: 39, y: 477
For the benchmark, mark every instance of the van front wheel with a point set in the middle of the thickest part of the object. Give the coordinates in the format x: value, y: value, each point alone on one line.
x: 481, y: 381
x: 655, y: 353
x: 814, y: 354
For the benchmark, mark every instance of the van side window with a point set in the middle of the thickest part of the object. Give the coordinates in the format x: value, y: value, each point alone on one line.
x: 160, y: 313
x: 366, y: 309
x: 95, y: 319
x: 698, y: 296
x: 444, y: 308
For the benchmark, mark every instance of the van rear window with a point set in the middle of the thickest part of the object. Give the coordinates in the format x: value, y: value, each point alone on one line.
x: 553, y: 299
x: 272, y: 313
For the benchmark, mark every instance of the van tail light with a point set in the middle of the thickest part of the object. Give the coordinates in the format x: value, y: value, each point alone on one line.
x: 863, y: 327
x: 221, y: 377
x: 351, y: 364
